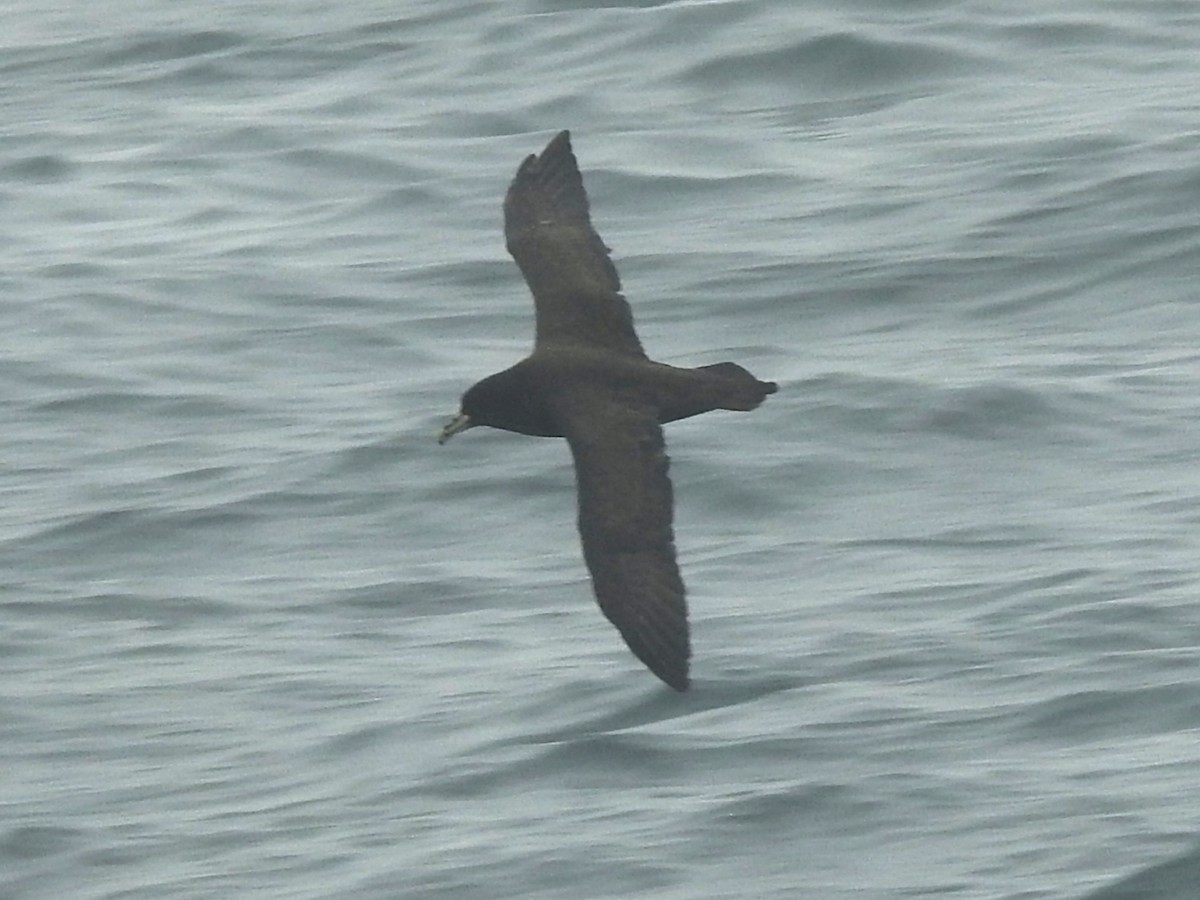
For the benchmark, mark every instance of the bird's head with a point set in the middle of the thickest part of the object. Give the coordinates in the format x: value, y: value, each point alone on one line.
x: 506, y: 401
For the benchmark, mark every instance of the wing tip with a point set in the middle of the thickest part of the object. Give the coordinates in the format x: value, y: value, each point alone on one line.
x: 669, y: 660
x: 680, y: 681
x: 557, y: 160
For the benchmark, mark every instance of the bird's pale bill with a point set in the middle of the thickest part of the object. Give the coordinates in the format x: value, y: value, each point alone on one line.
x: 461, y: 422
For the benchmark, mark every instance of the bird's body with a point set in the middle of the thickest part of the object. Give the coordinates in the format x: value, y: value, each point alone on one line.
x: 588, y: 380
x: 541, y: 383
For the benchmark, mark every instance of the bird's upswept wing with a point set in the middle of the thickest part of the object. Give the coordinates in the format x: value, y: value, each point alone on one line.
x: 576, y: 289
x: 625, y: 512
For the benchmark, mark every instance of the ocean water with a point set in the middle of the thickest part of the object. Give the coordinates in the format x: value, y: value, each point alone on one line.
x: 261, y: 637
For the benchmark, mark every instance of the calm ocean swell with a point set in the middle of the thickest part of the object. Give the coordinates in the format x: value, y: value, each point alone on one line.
x: 261, y: 637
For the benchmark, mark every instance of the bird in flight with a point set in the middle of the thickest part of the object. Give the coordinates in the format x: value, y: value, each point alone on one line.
x: 589, y: 380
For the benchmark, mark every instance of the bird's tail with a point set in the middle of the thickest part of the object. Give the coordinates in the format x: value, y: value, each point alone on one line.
x: 744, y: 391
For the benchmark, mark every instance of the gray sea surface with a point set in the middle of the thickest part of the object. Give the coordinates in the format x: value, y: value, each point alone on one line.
x: 261, y: 637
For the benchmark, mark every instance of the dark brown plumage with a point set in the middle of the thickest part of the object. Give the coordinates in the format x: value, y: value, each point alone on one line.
x: 589, y: 380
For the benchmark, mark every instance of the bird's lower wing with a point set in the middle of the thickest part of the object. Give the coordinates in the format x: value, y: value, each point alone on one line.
x: 625, y: 513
